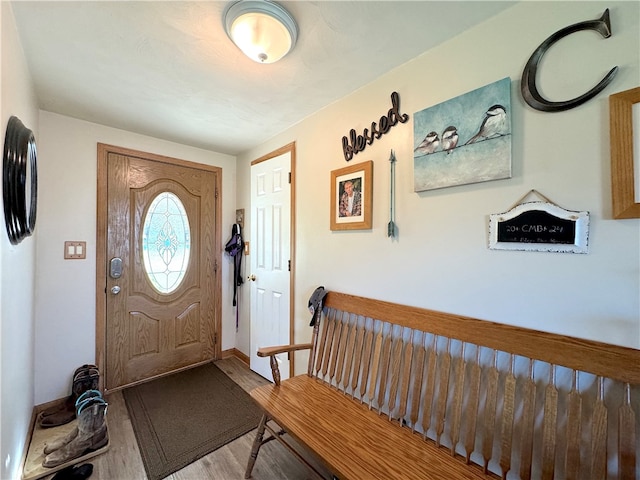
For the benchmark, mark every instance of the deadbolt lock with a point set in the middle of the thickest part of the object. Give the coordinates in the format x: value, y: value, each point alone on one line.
x: 115, y: 267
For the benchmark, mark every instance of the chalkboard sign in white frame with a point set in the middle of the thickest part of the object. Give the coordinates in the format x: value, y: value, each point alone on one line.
x: 547, y: 234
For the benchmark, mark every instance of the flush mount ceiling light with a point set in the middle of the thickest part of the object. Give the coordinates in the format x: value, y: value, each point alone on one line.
x: 263, y: 30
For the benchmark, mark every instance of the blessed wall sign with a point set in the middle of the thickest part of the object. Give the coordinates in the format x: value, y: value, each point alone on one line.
x: 355, y: 143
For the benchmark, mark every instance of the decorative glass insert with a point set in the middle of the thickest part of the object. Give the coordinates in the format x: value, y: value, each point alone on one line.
x: 166, y: 242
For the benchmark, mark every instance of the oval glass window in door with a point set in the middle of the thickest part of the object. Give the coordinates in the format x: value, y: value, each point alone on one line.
x: 166, y: 242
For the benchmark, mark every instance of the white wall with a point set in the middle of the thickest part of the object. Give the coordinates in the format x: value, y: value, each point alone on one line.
x: 65, y: 304
x: 440, y: 259
x: 17, y: 287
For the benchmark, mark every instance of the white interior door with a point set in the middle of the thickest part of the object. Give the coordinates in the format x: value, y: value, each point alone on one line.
x: 270, y: 260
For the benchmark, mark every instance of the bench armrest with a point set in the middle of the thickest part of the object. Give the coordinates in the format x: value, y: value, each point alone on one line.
x: 268, y: 351
x: 273, y: 351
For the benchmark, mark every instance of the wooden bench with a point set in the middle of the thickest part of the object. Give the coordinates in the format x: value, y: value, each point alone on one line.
x: 397, y: 392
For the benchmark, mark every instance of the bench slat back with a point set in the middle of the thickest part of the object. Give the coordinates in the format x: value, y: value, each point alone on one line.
x: 520, y: 403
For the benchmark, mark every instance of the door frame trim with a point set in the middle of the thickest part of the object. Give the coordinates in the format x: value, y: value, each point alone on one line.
x: 101, y: 245
x: 291, y: 149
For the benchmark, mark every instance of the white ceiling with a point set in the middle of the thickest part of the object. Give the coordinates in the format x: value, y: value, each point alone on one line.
x: 168, y: 69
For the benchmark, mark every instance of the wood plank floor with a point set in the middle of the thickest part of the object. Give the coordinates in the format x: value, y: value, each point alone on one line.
x: 123, y: 462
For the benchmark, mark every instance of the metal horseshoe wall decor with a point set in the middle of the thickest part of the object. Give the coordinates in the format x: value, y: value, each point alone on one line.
x: 528, y: 84
x: 19, y: 181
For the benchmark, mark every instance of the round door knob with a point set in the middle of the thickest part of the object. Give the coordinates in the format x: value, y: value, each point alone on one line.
x: 115, y: 290
x: 252, y: 278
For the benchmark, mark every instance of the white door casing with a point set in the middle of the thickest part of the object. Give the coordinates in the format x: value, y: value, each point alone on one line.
x: 270, y: 260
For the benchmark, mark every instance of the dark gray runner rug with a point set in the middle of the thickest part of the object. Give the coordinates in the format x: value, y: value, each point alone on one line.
x: 182, y: 417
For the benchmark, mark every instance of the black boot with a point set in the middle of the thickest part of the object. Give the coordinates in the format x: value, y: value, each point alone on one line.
x: 74, y: 472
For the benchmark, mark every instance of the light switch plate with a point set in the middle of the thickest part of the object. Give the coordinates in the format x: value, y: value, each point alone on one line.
x: 75, y: 250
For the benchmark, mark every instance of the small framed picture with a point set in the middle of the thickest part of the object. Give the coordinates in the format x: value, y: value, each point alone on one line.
x: 240, y: 217
x: 352, y: 197
x: 624, y: 121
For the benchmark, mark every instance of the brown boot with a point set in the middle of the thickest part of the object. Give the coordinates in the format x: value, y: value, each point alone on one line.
x: 70, y: 399
x: 85, y: 378
x: 87, y: 397
x: 91, y: 434
x: 60, y: 442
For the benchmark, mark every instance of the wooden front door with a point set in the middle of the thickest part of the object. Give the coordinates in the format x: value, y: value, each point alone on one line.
x: 162, y: 285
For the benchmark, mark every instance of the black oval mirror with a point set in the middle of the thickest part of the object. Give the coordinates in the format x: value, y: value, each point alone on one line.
x: 19, y: 181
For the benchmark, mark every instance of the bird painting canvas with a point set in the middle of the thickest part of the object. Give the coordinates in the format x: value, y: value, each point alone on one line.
x: 466, y: 139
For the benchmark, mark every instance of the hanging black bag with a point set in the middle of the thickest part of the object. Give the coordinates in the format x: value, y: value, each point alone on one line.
x: 235, y: 248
